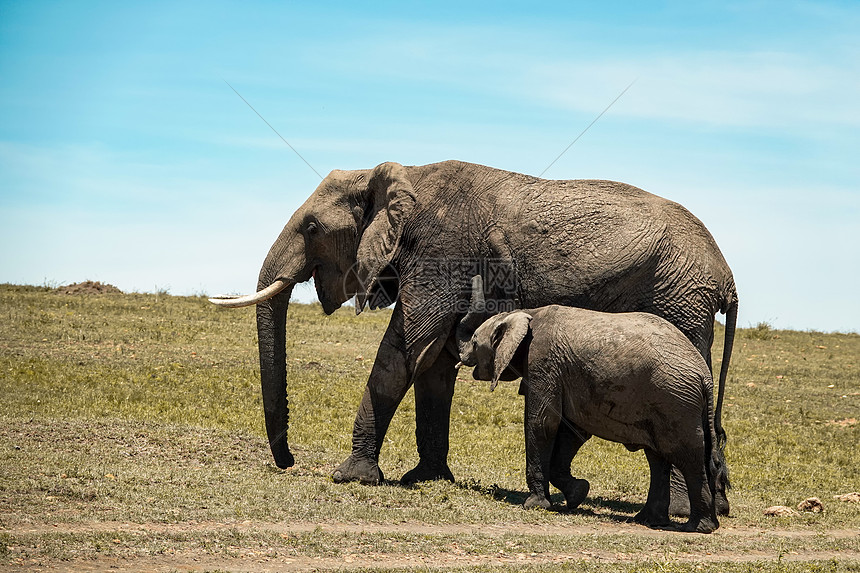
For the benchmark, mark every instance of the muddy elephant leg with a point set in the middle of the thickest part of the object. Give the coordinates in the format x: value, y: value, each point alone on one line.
x: 568, y: 440
x: 434, y: 392
x: 385, y: 389
x: 656, y: 510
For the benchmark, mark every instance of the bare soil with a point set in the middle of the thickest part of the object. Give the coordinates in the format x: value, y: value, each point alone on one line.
x: 354, y: 557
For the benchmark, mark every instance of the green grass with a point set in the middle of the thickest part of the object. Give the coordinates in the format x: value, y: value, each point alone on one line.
x: 146, y: 409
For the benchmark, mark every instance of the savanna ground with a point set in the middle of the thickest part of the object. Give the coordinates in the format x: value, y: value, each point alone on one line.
x: 132, y: 439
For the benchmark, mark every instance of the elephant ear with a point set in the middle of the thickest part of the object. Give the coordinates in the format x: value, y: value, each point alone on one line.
x: 506, y: 339
x: 389, y: 201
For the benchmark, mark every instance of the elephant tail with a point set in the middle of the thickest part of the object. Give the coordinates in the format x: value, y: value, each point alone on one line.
x: 730, y: 308
x: 715, y: 461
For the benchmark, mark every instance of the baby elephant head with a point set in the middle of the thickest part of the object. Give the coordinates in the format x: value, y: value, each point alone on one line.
x: 495, y: 344
x: 491, y: 347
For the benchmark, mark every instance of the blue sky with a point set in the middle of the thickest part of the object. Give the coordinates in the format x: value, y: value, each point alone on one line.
x: 125, y: 157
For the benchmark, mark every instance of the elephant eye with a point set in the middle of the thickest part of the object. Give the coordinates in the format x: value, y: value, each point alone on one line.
x: 312, y: 228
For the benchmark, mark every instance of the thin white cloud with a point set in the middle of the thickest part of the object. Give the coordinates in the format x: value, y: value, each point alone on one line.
x: 754, y: 90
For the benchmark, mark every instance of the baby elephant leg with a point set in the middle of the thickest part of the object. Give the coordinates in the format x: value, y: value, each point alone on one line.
x: 542, y: 421
x: 679, y: 498
x: 656, y: 510
x: 568, y: 440
x: 703, y: 514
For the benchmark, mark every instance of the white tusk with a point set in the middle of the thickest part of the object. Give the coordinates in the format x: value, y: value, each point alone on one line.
x: 230, y: 301
x: 458, y: 366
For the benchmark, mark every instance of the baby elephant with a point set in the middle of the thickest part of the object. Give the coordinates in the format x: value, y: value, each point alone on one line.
x: 631, y: 378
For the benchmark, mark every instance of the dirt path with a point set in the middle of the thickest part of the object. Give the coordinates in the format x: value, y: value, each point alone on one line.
x: 192, y: 563
x: 254, y: 560
x: 413, y: 527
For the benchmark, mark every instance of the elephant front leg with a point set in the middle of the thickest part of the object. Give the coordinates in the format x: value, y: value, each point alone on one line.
x: 542, y: 419
x: 385, y: 389
x: 434, y: 392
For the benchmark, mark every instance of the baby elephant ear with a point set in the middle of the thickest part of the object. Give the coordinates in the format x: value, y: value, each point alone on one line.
x: 507, y: 337
x: 388, y: 202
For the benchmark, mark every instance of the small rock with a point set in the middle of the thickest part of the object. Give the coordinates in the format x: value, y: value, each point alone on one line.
x: 853, y: 497
x: 811, y: 504
x: 779, y: 510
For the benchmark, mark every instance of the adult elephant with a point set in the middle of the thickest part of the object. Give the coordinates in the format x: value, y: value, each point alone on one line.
x: 416, y: 235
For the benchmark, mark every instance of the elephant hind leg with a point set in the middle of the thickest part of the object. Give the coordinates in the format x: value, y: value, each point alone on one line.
x: 703, y: 515
x: 568, y: 440
x: 656, y: 510
x: 679, y: 499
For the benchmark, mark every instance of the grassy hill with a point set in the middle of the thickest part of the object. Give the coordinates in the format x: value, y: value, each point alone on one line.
x: 138, y: 408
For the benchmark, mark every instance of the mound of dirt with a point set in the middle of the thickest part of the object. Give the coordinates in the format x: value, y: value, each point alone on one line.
x: 812, y: 504
x: 778, y: 510
x: 89, y: 287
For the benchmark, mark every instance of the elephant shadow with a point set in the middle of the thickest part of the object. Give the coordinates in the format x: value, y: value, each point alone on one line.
x: 595, y: 506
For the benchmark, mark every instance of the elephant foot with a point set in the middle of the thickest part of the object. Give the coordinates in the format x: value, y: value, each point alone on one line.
x: 679, y: 502
x: 650, y: 518
x: 703, y: 525
x: 575, y: 493
x: 721, y: 503
x: 535, y: 500
x: 427, y: 472
x: 284, y: 459
x: 358, y: 469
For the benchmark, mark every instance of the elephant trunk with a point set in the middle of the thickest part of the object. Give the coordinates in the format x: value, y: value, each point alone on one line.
x: 470, y: 323
x: 286, y: 263
x: 271, y: 333
x: 272, y: 299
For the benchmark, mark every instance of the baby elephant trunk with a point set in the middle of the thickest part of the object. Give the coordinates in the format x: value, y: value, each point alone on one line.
x: 470, y: 323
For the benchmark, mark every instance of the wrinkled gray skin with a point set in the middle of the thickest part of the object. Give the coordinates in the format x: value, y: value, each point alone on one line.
x: 631, y: 378
x: 376, y: 234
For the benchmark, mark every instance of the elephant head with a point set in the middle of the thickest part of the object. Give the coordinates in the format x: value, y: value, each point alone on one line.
x: 491, y: 347
x: 344, y: 236
x: 495, y: 345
